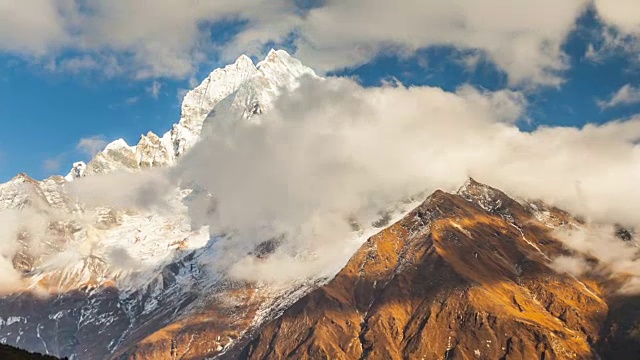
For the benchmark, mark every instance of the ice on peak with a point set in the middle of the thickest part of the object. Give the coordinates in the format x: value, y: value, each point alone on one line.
x: 116, y: 145
x: 244, y: 60
x: 242, y: 65
x: 282, y: 59
x: 274, y: 55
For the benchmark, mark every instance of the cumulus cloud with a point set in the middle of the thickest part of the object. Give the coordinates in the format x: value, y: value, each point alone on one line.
x: 626, y: 95
x: 91, y: 145
x: 623, y: 14
x: 333, y: 152
x: 28, y: 32
x: 521, y: 37
x: 171, y: 38
x: 168, y: 39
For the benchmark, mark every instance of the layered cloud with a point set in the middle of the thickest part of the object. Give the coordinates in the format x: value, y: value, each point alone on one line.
x: 172, y: 38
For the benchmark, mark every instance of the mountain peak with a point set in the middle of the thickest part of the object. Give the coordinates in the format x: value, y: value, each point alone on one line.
x: 274, y: 54
x: 280, y: 58
x: 244, y: 60
x: 116, y: 145
x: 22, y: 178
x: 450, y: 280
x: 250, y: 88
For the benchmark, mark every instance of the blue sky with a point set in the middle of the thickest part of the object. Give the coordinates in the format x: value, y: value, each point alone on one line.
x: 47, y: 109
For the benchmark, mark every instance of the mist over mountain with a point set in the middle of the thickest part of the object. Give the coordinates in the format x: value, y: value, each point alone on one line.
x: 284, y: 214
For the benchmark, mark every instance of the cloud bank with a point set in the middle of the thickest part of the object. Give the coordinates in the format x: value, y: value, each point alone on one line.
x: 333, y: 152
x: 173, y: 37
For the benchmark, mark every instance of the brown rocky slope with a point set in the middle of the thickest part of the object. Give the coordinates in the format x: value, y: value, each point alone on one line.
x: 463, y: 276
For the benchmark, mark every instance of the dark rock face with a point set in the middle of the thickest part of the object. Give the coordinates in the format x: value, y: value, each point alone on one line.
x: 461, y: 277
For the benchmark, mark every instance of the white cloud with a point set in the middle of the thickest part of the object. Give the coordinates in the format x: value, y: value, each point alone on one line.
x: 573, y: 265
x: 168, y: 39
x: 28, y: 32
x: 144, y: 190
x: 91, y: 145
x: 621, y: 30
x: 334, y: 151
x: 154, y: 89
x: 599, y: 242
x: 523, y: 38
x: 626, y: 95
x: 623, y: 14
x: 180, y: 94
x: 34, y: 221
x: 171, y: 38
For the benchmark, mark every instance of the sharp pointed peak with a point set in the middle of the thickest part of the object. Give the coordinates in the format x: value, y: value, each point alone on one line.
x: 242, y: 62
x: 274, y: 56
x: 23, y: 177
x: 471, y: 183
x: 243, y: 59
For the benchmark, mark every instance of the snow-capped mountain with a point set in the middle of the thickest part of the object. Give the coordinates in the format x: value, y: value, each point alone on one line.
x: 97, y: 281
x: 246, y: 89
x: 462, y: 275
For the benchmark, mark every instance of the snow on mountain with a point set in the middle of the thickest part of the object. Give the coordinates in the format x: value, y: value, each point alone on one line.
x: 246, y: 89
x: 77, y: 171
x: 113, y: 276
